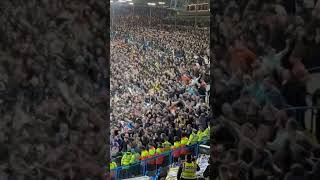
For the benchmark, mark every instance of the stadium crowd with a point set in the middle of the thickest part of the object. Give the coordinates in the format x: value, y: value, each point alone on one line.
x: 52, y: 101
x: 262, y: 52
x: 159, y: 88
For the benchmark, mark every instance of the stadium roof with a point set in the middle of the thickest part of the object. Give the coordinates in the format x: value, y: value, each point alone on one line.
x: 160, y: 2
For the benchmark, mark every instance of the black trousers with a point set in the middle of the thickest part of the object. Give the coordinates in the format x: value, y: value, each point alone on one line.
x: 318, y: 126
x: 300, y: 118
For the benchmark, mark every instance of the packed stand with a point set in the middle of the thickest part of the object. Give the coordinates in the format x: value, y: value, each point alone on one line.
x: 52, y: 93
x: 262, y: 50
x: 159, y: 89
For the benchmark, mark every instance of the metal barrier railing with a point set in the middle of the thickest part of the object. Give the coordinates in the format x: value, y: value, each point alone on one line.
x: 295, y: 110
x: 314, y: 69
x: 152, y: 166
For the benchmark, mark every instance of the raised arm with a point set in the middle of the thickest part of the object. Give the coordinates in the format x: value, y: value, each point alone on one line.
x: 285, y: 50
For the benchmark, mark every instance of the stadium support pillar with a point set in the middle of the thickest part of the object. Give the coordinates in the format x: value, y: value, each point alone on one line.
x: 149, y: 16
x: 196, y: 16
x: 161, y: 18
x: 112, y: 16
x: 175, y: 20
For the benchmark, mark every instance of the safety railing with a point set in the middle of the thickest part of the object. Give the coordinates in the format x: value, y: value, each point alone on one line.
x: 152, y: 166
x: 299, y: 112
x: 315, y: 69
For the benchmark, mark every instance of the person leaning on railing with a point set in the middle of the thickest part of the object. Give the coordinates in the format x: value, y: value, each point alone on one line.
x: 159, y: 151
x: 175, y: 149
x: 126, y: 158
x: 144, y: 154
x: 183, y: 143
x: 125, y: 162
x: 193, y: 138
x: 135, y: 157
x: 200, y: 135
x: 166, y: 147
x: 113, y: 165
x: 152, y: 151
x: 203, y: 135
x: 151, y: 162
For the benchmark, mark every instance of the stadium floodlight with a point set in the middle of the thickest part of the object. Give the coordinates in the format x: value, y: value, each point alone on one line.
x: 131, y: 3
x: 151, y: 4
x: 122, y: 1
x: 129, y: 0
x: 111, y: 1
x: 161, y: 3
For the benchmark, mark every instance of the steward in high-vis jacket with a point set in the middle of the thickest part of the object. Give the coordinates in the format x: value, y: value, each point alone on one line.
x: 159, y: 151
x: 183, y: 144
x: 184, y: 141
x: 206, y: 134
x: 188, y: 169
x: 134, y: 158
x: 152, y: 153
x: 113, y: 166
x: 126, y: 158
x: 193, y: 138
x: 144, y: 155
x: 166, y: 146
x: 176, y: 149
x: 200, y: 135
x: 125, y: 162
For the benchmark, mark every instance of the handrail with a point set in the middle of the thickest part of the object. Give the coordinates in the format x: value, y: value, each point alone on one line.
x: 313, y: 69
x: 301, y: 107
x: 295, y: 108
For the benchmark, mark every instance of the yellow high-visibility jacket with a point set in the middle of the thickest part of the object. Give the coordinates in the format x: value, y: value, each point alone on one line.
x: 193, y: 139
